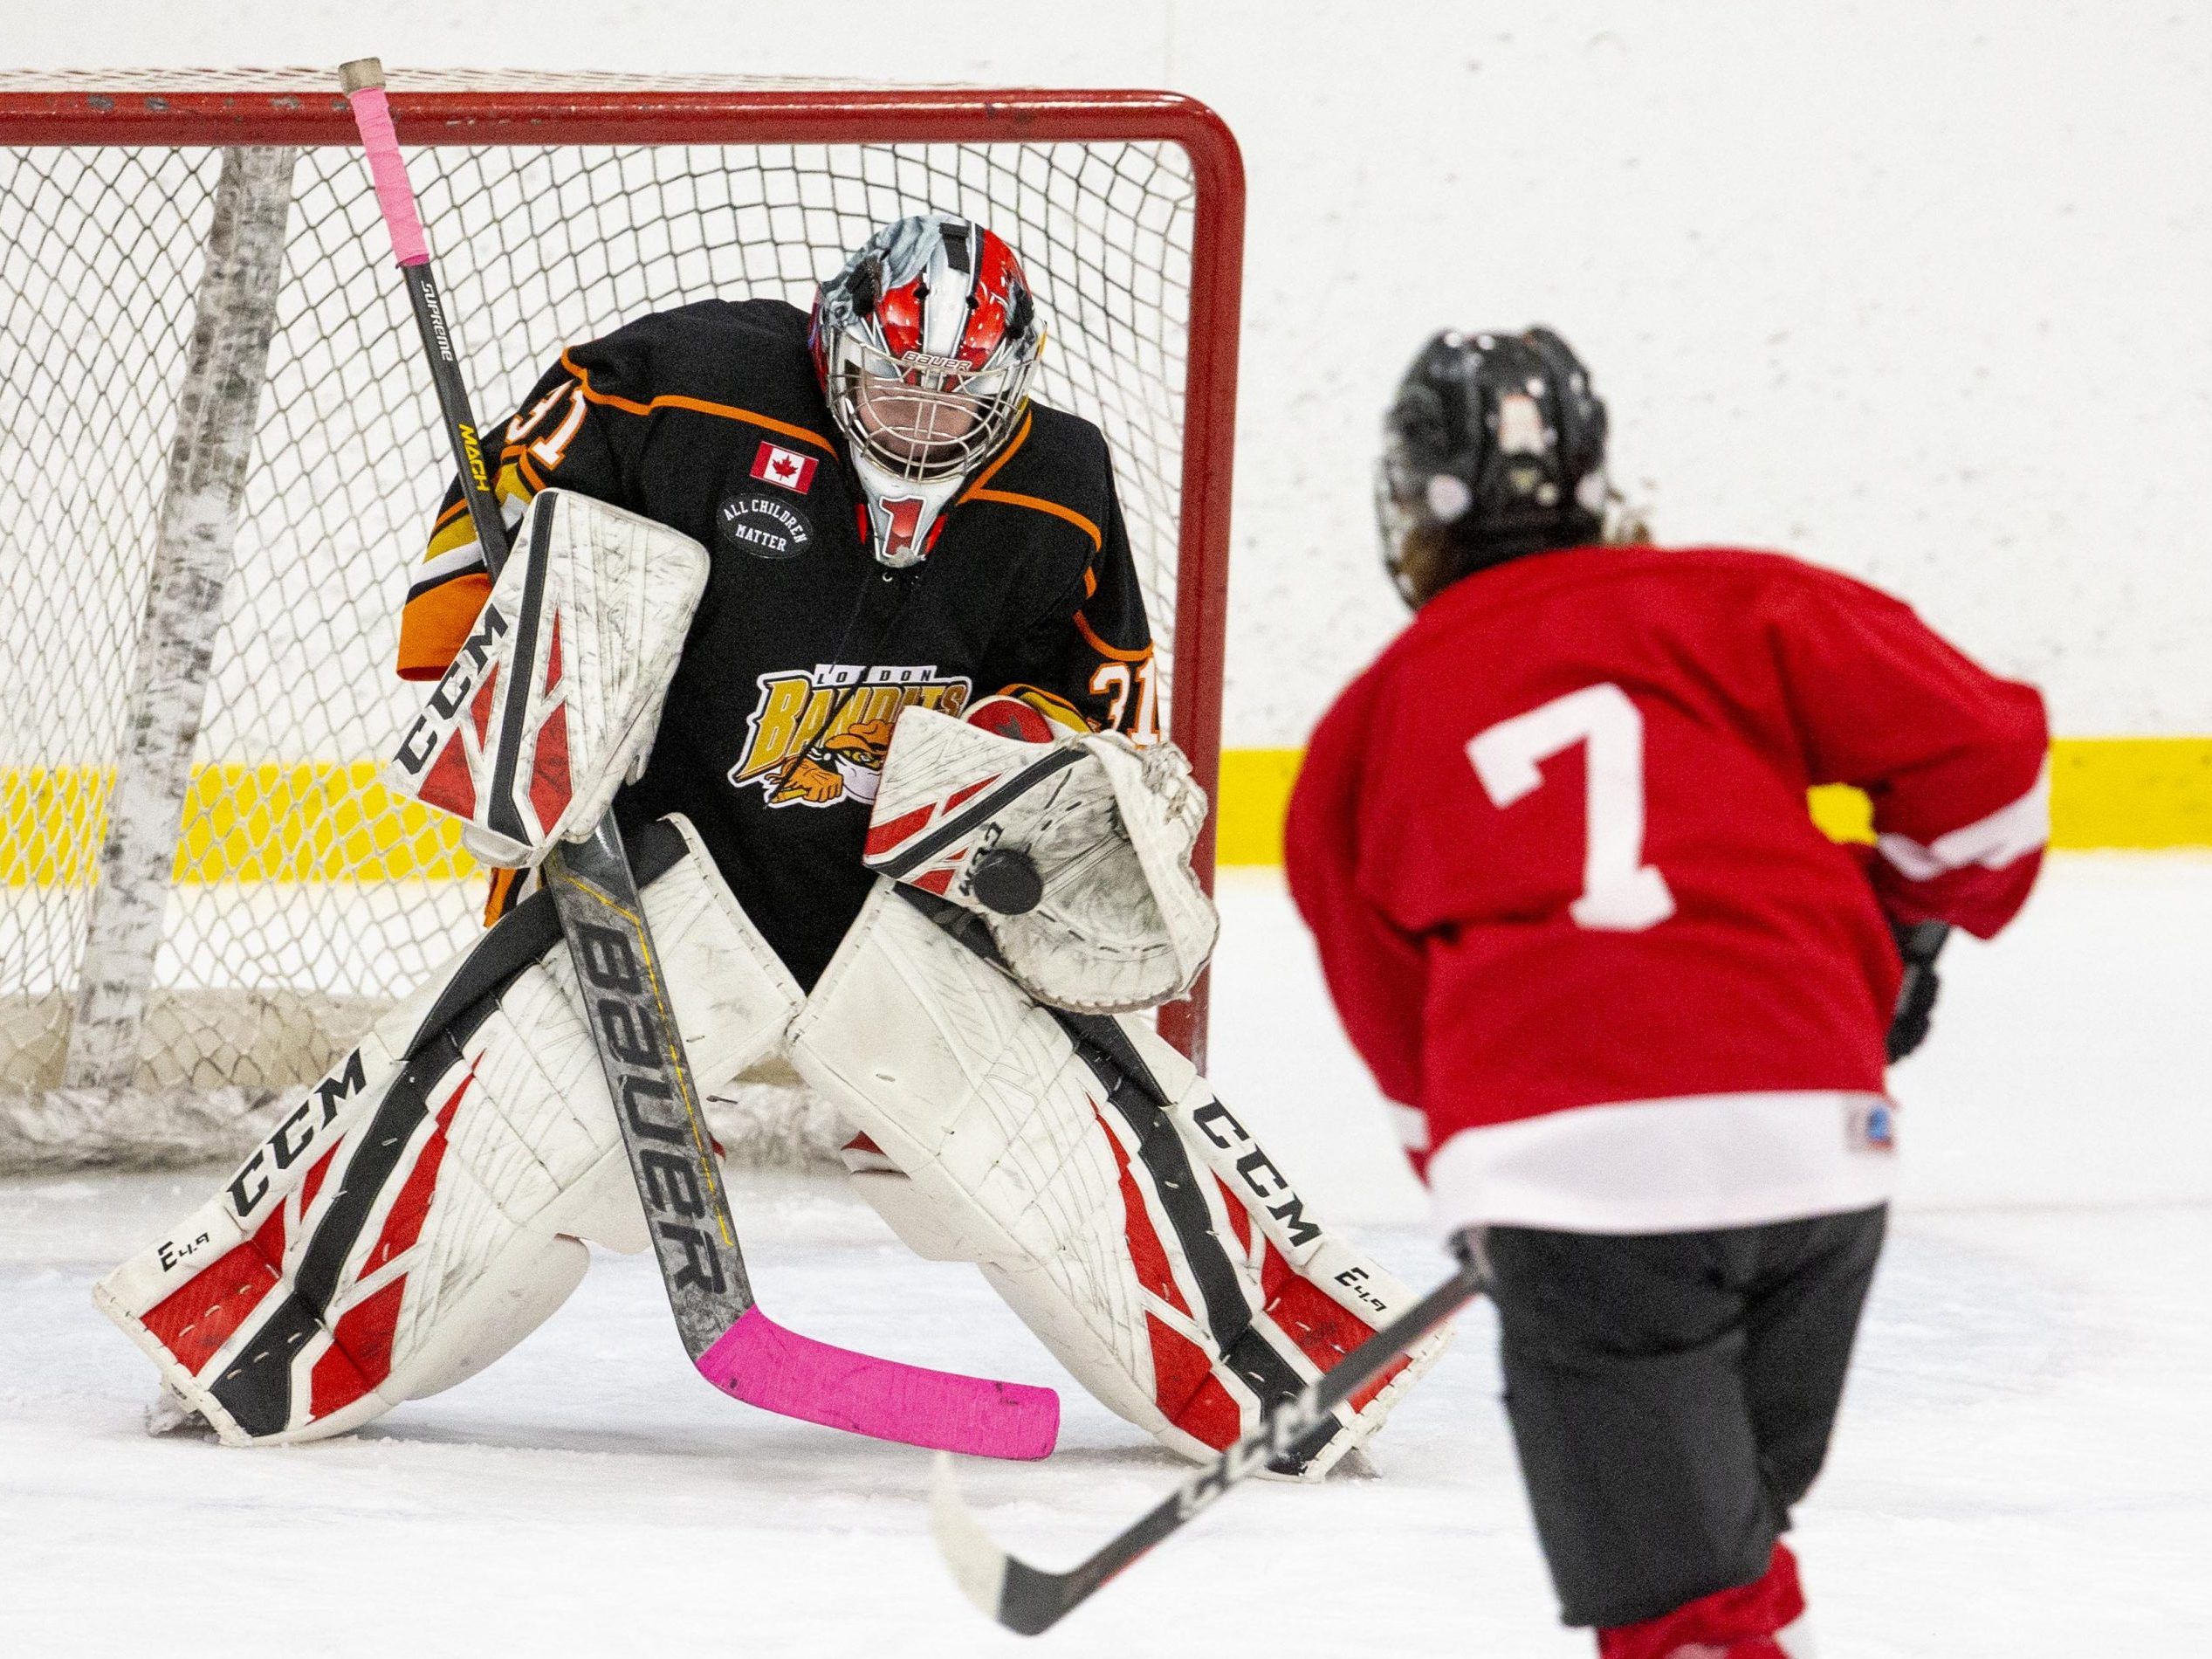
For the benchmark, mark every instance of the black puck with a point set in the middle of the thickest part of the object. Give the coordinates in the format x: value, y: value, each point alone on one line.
x: 1006, y: 879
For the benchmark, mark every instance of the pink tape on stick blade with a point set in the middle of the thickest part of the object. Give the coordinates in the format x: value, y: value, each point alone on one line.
x: 364, y: 83
x: 759, y: 1362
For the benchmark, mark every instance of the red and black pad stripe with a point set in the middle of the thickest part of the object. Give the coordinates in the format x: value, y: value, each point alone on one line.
x: 195, y: 1319
x: 1133, y: 1091
x: 1322, y: 1327
x: 257, y: 1388
x: 500, y: 813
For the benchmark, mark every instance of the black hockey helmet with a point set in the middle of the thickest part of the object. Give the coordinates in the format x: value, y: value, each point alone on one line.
x: 1493, y: 447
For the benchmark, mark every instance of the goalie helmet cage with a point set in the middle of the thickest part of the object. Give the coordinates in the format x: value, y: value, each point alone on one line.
x: 221, y: 456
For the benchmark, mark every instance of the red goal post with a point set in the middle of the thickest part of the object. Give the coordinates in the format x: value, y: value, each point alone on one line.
x: 139, y: 211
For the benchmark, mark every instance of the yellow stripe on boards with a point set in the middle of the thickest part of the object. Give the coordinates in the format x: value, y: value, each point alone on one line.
x: 2131, y: 792
x: 1252, y: 800
x: 306, y: 820
x: 322, y: 821
x: 2106, y: 792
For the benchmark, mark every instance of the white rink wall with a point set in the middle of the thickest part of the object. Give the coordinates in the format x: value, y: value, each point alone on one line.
x: 1910, y: 288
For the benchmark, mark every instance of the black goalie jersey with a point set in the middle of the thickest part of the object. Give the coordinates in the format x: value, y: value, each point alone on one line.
x: 805, y: 648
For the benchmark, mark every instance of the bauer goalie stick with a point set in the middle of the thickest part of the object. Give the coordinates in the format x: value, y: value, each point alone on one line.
x: 733, y: 1344
x: 1030, y: 1601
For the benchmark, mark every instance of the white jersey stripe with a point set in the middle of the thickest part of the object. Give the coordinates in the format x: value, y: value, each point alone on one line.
x: 2006, y: 836
x: 1683, y: 1165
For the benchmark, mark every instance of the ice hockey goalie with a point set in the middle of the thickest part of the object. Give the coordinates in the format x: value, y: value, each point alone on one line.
x: 427, y: 1205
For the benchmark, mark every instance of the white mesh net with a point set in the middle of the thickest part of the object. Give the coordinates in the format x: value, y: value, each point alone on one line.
x: 302, y: 902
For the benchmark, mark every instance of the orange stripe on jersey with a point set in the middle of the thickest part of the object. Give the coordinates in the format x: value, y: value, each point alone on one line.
x: 1090, y: 582
x: 699, y: 405
x: 1083, y: 627
x: 978, y: 492
x: 1004, y: 455
x: 1038, y: 504
x: 434, y: 625
x: 501, y: 898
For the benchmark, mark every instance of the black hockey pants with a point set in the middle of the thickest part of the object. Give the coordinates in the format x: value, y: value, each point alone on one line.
x: 1671, y: 1396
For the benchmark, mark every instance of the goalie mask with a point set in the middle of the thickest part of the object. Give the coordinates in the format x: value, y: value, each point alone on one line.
x: 1493, y: 447
x: 925, y: 343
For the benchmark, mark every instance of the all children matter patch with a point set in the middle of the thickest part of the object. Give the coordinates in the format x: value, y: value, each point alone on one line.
x: 764, y: 527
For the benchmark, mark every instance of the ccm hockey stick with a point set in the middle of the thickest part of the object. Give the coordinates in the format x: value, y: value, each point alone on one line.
x: 1030, y: 1601
x: 733, y: 1344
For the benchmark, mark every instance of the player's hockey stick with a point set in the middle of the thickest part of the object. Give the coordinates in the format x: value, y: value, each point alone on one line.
x: 1029, y: 1600
x: 733, y: 1344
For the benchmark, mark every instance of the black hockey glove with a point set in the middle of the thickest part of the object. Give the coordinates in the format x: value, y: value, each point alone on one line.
x: 1918, y: 944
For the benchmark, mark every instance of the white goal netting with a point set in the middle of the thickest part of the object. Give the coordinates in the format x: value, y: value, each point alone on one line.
x: 288, y: 900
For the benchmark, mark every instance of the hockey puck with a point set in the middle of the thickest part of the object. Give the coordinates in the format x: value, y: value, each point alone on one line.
x: 1006, y: 879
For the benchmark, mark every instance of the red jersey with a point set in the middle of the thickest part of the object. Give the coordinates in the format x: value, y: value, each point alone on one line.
x: 1555, y: 848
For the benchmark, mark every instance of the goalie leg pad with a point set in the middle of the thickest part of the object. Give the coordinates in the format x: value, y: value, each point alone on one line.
x: 420, y: 1211
x: 1109, y: 1196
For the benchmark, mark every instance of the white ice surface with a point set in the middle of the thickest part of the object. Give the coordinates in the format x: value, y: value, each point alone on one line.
x: 2023, y: 1467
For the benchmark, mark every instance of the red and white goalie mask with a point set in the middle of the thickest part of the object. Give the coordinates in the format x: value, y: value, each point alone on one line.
x: 925, y: 342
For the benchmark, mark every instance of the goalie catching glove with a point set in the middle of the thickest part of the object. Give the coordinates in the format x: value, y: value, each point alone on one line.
x: 1076, y: 853
x: 421, y: 1209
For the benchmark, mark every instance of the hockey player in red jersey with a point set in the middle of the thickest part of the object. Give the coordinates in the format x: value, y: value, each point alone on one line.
x: 1631, y: 1003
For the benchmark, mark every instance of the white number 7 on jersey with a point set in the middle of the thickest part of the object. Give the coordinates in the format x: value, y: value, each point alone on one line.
x: 1621, y: 893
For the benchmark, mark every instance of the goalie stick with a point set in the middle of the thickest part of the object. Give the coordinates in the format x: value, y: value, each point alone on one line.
x: 733, y: 1345
x: 1029, y: 1600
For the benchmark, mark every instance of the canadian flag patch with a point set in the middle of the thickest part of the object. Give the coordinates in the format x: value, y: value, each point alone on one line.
x: 776, y: 465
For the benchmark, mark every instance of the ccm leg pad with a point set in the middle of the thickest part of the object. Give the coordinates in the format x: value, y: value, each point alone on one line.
x: 1113, y: 1200
x: 420, y: 1210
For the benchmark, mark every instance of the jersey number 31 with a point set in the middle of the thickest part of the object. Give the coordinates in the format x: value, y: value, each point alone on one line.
x: 1621, y: 893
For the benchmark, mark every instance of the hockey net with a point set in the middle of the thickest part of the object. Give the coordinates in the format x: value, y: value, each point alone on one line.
x: 205, y: 895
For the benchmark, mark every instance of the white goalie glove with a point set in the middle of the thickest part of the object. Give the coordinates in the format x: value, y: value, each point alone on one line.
x: 421, y: 1209
x: 1076, y: 853
x: 554, y: 700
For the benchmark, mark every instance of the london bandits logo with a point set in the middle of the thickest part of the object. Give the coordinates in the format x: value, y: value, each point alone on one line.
x: 859, y: 707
